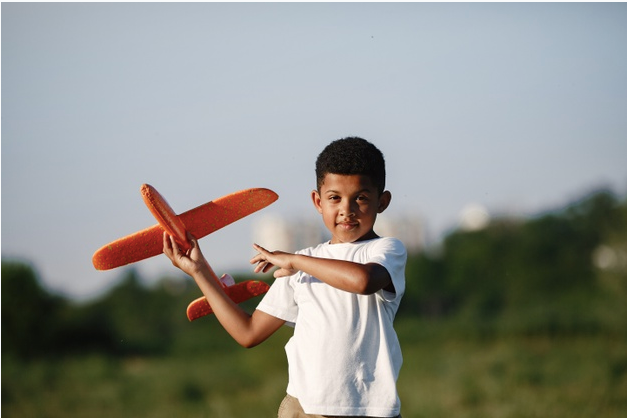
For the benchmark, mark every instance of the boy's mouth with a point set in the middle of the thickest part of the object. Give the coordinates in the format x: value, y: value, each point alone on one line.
x: 348, y: 224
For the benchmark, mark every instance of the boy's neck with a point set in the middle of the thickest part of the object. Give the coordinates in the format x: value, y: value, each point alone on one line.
x: 370, y: 235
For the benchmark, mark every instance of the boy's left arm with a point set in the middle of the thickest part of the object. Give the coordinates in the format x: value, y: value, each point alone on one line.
x: 364, y: 279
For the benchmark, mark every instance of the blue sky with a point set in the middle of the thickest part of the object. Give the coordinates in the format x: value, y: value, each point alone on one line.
x: 517, y: 107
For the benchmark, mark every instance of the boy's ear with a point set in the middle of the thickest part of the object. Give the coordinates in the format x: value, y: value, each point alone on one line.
x: 315, y: 197
x: 384, y: 201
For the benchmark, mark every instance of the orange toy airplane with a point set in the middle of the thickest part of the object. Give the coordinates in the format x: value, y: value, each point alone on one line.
x: 200, y: 222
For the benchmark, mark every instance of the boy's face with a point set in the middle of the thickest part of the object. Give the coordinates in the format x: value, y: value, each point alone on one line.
x: 349, y: 205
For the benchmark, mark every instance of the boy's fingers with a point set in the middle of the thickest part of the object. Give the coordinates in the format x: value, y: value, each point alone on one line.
x: 176, y: 250
x: 168, y: 248
x: 192, y: 240
x: 259, y: 248
x: 283, y: 273
x: 167, y: 245
x: 263, y: 266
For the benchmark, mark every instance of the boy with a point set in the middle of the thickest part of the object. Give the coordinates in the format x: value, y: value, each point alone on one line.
x: 341, y: 296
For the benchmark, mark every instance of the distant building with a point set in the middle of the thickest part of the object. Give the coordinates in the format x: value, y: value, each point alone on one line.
x: 275, y: 232
x: 473, y: 217
x: 409, y: 229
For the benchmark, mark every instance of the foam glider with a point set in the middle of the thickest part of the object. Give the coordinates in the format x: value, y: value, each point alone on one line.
x: 200, y: 221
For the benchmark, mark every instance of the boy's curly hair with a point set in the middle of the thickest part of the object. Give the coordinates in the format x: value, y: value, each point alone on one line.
x: 352, y: 155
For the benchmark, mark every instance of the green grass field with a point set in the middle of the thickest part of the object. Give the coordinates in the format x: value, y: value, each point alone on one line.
x: 444, y: 375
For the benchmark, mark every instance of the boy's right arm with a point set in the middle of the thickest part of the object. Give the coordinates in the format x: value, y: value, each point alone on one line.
x: 248, y: 330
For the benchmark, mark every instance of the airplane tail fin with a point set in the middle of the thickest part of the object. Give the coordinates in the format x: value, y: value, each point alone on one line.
x: 238, y: 293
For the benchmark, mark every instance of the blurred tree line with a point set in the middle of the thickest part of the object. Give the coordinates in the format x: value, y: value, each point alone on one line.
x: 130, y: 319
x: 561, y: 272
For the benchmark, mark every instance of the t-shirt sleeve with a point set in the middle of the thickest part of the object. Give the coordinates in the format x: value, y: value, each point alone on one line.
x: 391, y: 254
x: 279, y: 301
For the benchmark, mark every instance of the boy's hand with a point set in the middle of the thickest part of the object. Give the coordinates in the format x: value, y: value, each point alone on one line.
x: 191, y: 262
x: 265, y: 260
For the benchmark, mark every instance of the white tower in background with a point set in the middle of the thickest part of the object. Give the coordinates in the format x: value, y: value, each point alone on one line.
x: 406, y: 228
x: 275, y: 232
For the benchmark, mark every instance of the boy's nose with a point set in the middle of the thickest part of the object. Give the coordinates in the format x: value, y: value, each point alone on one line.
x: 347, y: 209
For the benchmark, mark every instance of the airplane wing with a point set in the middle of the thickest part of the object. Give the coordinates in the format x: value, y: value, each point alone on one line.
x: 200, y: 221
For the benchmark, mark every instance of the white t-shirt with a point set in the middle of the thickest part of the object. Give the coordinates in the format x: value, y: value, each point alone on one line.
x: 344, y: 357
